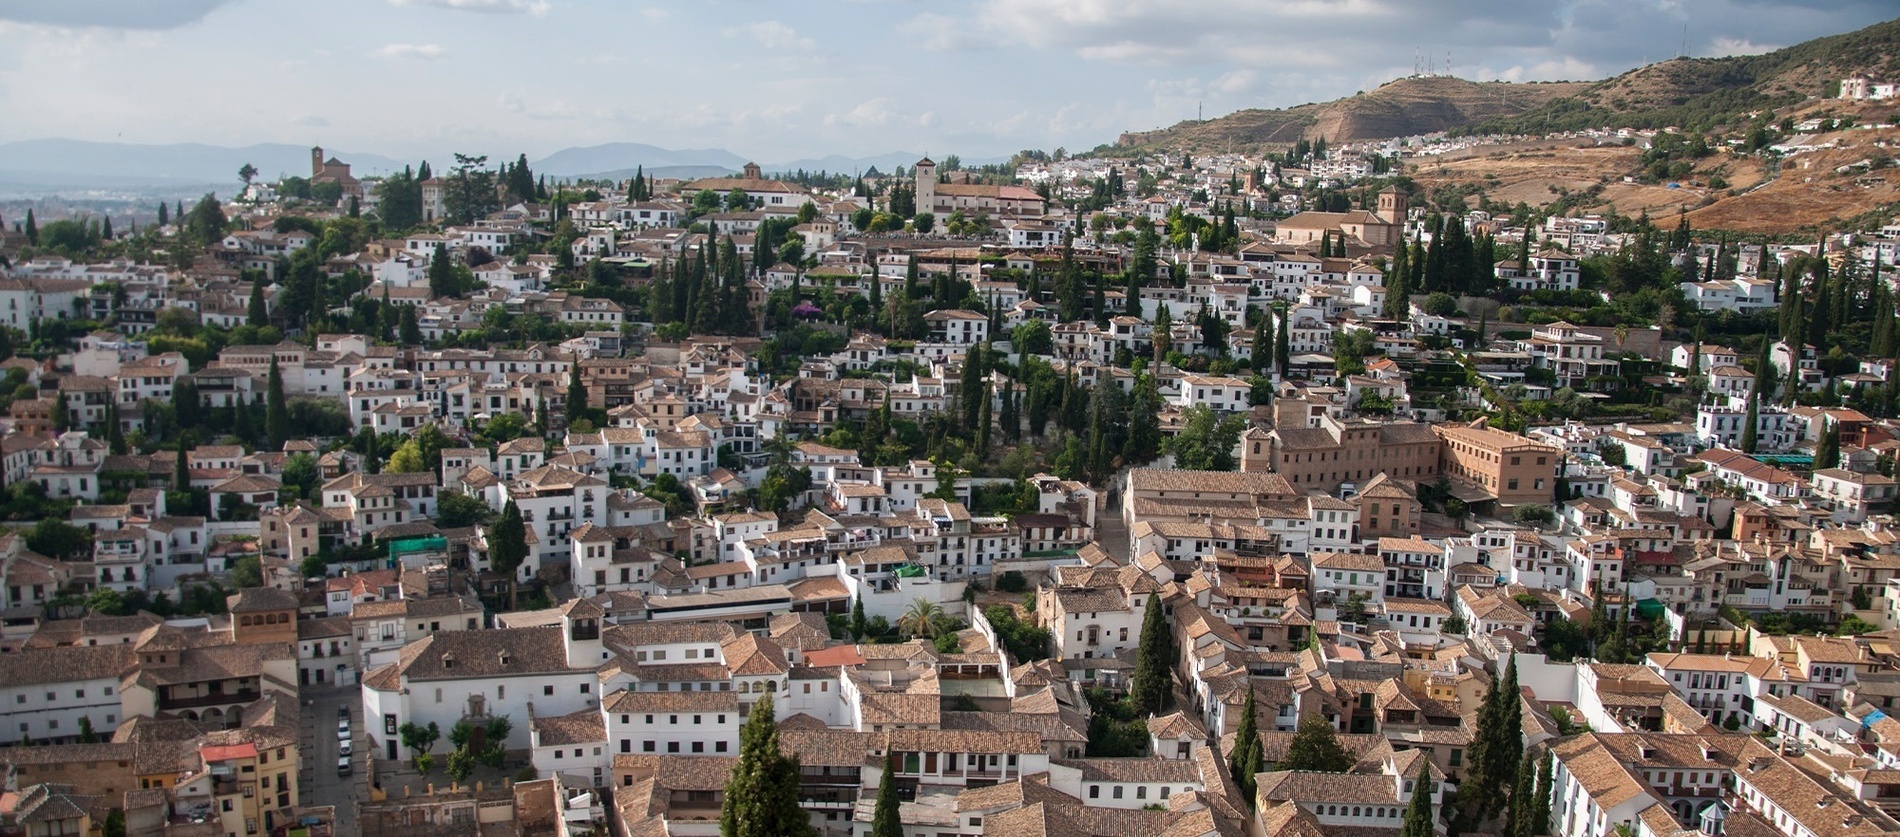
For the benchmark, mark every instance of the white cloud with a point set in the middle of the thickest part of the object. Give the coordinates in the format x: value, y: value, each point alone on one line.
x: 311, y: 121
x: 505, y: 7
x: 427, y: 52
x: 772, y: 34
x: 1739, y: 46
x: 870, y: 113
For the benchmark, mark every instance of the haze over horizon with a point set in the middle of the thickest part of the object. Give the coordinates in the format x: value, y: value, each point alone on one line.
x: 413, y: 78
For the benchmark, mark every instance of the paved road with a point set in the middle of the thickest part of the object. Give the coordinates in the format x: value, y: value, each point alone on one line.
x: 321, y: 785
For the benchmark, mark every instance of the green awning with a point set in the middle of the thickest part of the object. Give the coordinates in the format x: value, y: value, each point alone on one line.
x: 1650, y: 608
x: 910, y: 571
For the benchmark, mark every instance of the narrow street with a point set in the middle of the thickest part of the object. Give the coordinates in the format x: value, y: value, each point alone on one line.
x: 321, y: 785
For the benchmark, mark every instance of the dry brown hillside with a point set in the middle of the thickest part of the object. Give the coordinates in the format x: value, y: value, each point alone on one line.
x: 1404, y: 107
x: 1808, y: 192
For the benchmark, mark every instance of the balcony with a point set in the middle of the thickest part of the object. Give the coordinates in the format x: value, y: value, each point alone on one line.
x: 219, y: 699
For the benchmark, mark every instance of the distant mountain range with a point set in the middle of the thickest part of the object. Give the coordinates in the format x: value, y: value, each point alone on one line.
x: 50, y: 165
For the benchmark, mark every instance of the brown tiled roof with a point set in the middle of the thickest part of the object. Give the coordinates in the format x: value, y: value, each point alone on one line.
x: 583, y: 727
x: 498, y: 652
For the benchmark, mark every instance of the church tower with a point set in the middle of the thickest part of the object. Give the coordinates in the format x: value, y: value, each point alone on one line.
x: 316, y: 160
x: 926, y: 172
x: 1391, y: 205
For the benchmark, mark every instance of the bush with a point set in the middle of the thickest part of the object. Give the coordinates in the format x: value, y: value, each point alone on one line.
x: 1012, y: 582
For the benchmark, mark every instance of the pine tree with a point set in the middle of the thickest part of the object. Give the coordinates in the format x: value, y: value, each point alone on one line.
x: 259, y: 313
x: 576, y: 393
x: 1152, y: 687
x: 885, y: 820
x: 1419, y: 821
x: 1247, y: 759
x: 276, y: 411
x: 762, y: 792
x: 1315, y: 747
x: 508, y: 546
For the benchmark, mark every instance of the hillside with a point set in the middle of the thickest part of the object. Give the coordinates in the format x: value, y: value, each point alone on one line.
x: 1687, y: 92
x: 1404, y: 107
x: 1842, y: 175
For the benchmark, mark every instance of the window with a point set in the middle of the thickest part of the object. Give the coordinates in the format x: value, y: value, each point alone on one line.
x: 548, y: 690
x: 1095, y: 791
x: 1118, y: 791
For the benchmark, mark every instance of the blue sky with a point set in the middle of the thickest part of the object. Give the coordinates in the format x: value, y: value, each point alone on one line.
x: 780, y: 80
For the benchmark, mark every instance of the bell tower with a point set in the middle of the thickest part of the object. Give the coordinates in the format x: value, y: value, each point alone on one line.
x: 316, y: 160
x: 1392, y: 206
x: 926, y: 175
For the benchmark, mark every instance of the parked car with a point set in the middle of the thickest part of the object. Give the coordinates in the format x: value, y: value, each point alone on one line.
x: 343, y: 729
x: 343, y: 765
x: 344, y: 747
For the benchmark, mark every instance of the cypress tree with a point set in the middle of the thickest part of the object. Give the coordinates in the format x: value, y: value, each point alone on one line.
x: 411, y: 329
x: 1749, y: 420
x: 1828, y: 453
x: 164, y: 213
x: 1517, y: 817
x: 885, y: 820
x: 576, y: 393
x: 276, y: 412
x: 181, y: 469
x: 1246, y: 760
x: 1152, y: 687
x: 762, y: 792
x: 1540, y: 807
x: 1262, y: 355
x: 1496, y: 746
x: 508, y: 546
x: 1418, y: 814
x: 32, y: 229
x: 259, y: 313
x: 1282, y: 347
x: 1315, y: 746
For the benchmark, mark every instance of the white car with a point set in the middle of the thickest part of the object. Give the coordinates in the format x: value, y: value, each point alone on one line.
x: 343, y: 730
x: 344, y: 748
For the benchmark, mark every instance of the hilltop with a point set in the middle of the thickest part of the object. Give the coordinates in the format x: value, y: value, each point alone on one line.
x: 1407, y: 106
x: 1687, y: 92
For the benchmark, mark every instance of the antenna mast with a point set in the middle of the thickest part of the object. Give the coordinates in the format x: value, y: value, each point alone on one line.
x: 1685, y: 41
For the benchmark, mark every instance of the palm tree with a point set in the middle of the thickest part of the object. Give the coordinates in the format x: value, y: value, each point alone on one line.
x: 780, y: 447
x: 925, y: 618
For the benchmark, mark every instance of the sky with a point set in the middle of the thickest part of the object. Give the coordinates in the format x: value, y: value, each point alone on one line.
x: 777, y: 81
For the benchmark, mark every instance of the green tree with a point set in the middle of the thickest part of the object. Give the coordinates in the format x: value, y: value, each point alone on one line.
x: 276, y: 411
x: 1206, y: 442
x: 1419, y: 821
x: 508, y: 546
x: 1518, y: 816
x: 1496, y: 747
x: 442, y: 279
x: 1315, y: 746
x: 86, y: 733
x: 1151, y: 689
x: 1248, y: 756
x: 1540, y: 809
x: 1828, y: 453
x: 410, y: 330
x: 925, y: 618
x: 576, y: 394
x: 259, y: 313
x: 762, y: 792
x: 419, y: 740
x: 1749, y: 419
x: 885, y: 821
x: 206, y: 223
